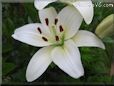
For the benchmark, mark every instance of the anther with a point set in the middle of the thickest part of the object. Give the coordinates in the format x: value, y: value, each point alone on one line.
x: 39, y: 30
x: 61, y: 28
x: 57, y: 38
x: 45, y: 39
x: 47, y: 21
x: 56, y: 21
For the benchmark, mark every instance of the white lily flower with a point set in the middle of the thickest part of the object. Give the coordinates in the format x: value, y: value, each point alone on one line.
x: 60, y: 37
x: 85, y: 7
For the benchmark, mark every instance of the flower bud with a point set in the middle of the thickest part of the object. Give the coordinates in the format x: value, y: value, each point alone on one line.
x: 106, y: 27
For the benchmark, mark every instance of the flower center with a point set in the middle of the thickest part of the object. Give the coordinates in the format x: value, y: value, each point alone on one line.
x: 56, y: 33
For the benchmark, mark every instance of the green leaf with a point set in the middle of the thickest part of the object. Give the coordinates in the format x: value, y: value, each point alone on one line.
x: 7, y: 48
x: 100, y: 78
x: 8, y: 27
x: 20, y: 75
x: 112, y: 78
x: 108, y: 40
x: 32, y: 12
x: 8, y: 67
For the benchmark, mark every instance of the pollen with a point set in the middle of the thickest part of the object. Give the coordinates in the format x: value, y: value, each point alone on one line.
x: 47, y: 21
x: 56, y: 21
x: 61, y: 28
x: 44, y: 38
x: 39, y: 30
x: 57, y: 38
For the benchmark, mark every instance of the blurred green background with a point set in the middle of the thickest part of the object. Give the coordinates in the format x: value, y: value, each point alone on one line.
x: 16, y: 55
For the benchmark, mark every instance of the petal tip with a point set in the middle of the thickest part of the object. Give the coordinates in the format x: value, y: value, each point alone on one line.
x: 89, y: 19
x: 13, y: 36
x: 37, y: 6
x: 88, y: 22
x: 79, y: 75
x: 103, y: 47
x: 28, y: 77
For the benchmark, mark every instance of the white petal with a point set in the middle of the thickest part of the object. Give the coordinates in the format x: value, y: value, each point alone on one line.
x: 70, y: 19
x: 40, y: 4
x: 67, y: 58
x: 49, y: 13
x: 30, y: 35
x: 38, y: 64
x: 85, y: 7
x: 86, y: 38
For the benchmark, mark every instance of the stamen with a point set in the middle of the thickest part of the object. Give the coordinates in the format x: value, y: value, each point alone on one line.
x: 45, y: 39
x: 56, y: 21
x: 39, y: 30
x: 47, y: 21
x: 61, y: 28
x: 57, y: 38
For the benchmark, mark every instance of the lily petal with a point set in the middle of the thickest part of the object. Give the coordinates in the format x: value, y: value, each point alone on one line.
x: 85, y: 7
x: 47, y: 16
x: 38, y: 64
x: 86, y: 38
x: 70, y: 19
x: 67, y: 58
x: 40, y: 4
x: 30, y: 35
